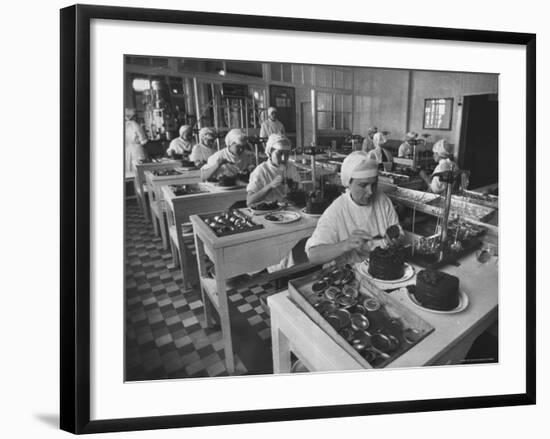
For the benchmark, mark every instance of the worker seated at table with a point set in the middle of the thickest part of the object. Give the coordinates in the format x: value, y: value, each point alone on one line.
x: 442, y: 154
x: 352, y: 225
x: 231, y: 160
x: 182, y: 145
x: 407, y: 147
x: 205, y: 148
x: 368, y: 144
x: 267, y: 180
x: 379, y: 154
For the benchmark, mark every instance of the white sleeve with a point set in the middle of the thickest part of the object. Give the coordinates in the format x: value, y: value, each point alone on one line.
x: 326, y: 231
x: 195, y: 153
x: 211, y: 163
x: 171, y: 147
x: 263, y: 132
x: 255, y: 182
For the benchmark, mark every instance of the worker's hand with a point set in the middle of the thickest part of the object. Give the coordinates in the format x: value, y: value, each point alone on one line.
x: 356, y: 240
x: 221, y: 161
x: 276, y: 182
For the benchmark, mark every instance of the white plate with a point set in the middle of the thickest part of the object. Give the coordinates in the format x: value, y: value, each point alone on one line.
x: 408, y: 273
x: 265, y: 212
x: 313, y: 215
x: 283, y: 217
x: 222, y: 188
x: 462, y: 303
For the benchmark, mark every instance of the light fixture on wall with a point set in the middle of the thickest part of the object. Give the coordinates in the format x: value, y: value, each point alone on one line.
x: 222, y: 70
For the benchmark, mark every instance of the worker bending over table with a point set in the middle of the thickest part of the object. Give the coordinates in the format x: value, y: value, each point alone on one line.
x: 231, y: 160
x: 352, y: 225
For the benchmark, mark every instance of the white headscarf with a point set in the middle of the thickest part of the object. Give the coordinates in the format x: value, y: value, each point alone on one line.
x: 129, y: 113
x: 411, y: 135
x: 372, y: 130
x: 277, y: 141
x: 234, y: 136
x: 206, y: 131
x: 441, y: 147
x: 358, y: 165
x: 379, y: 139
x: 271, y: 110
x: 184, y: 129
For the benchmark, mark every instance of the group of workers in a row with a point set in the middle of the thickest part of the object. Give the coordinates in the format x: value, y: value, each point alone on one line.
x: 347, y: 228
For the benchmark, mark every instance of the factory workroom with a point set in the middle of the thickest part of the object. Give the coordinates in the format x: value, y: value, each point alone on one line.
x: 285, y: 218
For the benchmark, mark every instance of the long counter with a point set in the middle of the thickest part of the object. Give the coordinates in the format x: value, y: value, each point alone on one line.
x: 293, y: 331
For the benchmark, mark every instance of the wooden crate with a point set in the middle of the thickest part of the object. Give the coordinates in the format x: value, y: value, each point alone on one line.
x: 300, y: 292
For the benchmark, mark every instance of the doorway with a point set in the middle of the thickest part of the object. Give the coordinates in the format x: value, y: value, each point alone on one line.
x: 479, y: 139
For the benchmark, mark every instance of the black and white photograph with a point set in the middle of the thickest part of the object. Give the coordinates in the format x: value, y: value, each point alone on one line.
x: 286, y: 218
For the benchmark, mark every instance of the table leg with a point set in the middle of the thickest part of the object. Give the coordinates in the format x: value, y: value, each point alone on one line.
x: 201, y: 264
x: 225, y: 320
x: 280, y: 348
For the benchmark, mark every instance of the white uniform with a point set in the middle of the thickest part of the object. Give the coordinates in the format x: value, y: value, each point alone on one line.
x: 344, y: 216
x: 180, y: 146
x: 437, y: 186
x: 271, y: 127
x: 201, y: 153
x: 235, y: 165
x: 134, y: 138
x: 264, y: 174
x: 405, y: 150
x: 378, y: 155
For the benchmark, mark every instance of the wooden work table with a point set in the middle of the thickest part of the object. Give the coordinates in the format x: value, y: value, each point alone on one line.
x: 180, y: 208
x: 240, y: 254
x: 292, y: 330
x: 154, y: 185
x: 139, y: 179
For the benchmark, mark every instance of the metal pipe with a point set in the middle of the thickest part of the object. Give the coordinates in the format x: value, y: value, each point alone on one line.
x: 197, y: 106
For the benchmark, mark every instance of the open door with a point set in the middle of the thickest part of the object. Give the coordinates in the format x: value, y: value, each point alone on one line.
x: 479, y: 139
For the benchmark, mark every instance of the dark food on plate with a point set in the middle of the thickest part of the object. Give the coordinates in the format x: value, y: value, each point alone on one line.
x: 165, y: 172
x: 298, y: 197
x: 264, y: 205
x: 187, y: 164
x: 387, y: 263
x: 315, y: 203
x: 186, y: 189
x: 227, y: 180
x: 437, y: 290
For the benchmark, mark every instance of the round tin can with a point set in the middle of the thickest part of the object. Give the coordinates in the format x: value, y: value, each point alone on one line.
x: 319, y: 286
x: 371, y: 304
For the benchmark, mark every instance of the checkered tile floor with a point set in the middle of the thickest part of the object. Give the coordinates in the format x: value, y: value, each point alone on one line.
x: 166, y: 333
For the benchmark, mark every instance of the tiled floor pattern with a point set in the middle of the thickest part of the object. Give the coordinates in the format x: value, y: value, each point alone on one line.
x: 166, y: 333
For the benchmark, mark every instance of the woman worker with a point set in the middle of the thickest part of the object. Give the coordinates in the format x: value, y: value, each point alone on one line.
x: 348, y: 230
x: 266, y: 181
x: 407, y: 147
x: 134, y: 140
x: 183, y: 144
x: 443, y: 157
x: 272, y: 125
x: 205, y: 148
x: 368, y: 144
x: 381, y: 155
x: 231, y: 160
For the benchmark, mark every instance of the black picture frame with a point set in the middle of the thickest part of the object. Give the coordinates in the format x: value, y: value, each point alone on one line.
x: 75, y: 217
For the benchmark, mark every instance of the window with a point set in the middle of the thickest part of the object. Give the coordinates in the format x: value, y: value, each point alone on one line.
x: 281, y: 72
x: 334, y: 111
x: 438, y: 113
